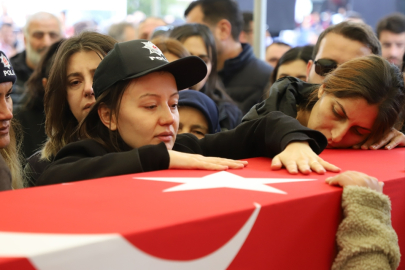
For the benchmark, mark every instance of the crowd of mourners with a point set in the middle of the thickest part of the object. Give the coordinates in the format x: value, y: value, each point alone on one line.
x: 195, y: 96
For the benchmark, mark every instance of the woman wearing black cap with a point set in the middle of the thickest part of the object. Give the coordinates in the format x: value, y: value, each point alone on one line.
x: 11, y: 176
x: 133, y: 125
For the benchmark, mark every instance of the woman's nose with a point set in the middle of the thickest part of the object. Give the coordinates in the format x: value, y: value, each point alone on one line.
x: 6, y: 112
x: 166, y: 117
x: 339, y: 132
x: 88, y: 89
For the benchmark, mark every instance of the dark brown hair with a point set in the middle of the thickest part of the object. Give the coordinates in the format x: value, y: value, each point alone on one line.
x: 92, y: 128
x: 374, y: 79
x: 216, y: 10
x: 171, y: 45
x: 393, y: 23
x: 354, y: 31
x: 60, y: 124
x: 298, y: 53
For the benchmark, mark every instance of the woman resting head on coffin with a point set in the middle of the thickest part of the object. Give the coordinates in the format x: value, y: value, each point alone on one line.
x: 360, y: 103
x: 133, y: 125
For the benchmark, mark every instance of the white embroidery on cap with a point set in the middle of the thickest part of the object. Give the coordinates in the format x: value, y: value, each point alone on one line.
x: 5, y: 61
x: 154, y: 49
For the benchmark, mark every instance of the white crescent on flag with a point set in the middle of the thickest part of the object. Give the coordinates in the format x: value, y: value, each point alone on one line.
x: 109, y: 251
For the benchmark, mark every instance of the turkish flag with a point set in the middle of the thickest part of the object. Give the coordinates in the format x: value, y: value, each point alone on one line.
x: 252, y: 218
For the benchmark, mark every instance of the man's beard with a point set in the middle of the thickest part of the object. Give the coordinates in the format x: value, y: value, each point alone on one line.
x: 34, y: 56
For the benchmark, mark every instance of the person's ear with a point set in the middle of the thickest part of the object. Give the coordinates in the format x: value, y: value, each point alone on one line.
x: 44, y: 82
x: 309, y: 66
x: 223, y: 29
x: 107, y: 117
x: 320, y: 91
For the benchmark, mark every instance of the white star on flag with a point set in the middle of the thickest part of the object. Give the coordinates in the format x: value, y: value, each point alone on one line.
x: 224, y: 180
x: 152, y: 48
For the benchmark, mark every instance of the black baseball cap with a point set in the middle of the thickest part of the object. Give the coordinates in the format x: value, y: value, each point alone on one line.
x: 7, y: 73
x: 136, y: 58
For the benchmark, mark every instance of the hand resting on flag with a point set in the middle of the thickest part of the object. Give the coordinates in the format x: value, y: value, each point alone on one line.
x: 299, y: 157
x: 391, y: 140
x: 179, y: 160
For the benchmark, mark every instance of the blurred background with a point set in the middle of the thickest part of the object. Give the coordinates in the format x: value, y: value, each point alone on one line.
x: 296, y: 22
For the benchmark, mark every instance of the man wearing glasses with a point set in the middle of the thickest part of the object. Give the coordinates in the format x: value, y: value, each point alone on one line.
x: 338, y: 44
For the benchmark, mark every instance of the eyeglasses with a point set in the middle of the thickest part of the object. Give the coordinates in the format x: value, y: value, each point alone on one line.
x: 324, y: 66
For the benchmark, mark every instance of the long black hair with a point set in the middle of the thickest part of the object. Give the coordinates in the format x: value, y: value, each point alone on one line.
x: 298, y: 53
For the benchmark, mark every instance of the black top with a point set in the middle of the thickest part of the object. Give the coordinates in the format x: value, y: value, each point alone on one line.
x: 23, y: 72
x: 266, y: 137
x: 229, y: 114
x: 32, y: 120
x: 245, y: 78
x: 284, y: 96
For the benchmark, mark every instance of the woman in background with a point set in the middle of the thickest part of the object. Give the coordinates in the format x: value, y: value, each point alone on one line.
x: 68, y: 94
x: 198, y: 114
x: 199, y: 41
x: 293, y: 63
x: 171, y: 48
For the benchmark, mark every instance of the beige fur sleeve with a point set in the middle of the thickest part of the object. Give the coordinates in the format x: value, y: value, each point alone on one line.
x: 365, y: 237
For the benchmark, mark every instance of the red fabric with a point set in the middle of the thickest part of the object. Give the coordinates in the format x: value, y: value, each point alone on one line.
x: 292, y: 230
x: 15, y: 264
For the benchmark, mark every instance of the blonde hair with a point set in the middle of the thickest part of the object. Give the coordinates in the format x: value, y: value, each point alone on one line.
x: 12, y: 157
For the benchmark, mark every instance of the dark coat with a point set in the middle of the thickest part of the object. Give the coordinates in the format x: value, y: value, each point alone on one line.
x: 245, y: 78
x: 285, y: 94
x: 32, y: 120
x: 23, y: 72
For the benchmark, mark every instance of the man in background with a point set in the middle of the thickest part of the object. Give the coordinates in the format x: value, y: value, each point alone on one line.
x: 123, y: 31
x: 41, y: 30
x: 338, y: 44
x: 274, y: 52
x: 248, y: 33
x: 243, y: 75
x: 391, y: 33
x: 146, y: 27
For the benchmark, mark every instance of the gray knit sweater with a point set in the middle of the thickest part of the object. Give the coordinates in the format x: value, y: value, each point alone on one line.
x: 365, y: 237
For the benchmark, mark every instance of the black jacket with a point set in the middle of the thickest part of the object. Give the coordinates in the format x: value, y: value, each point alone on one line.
x: 23, y: 72
x: 266, y: 137
x: 285, y: 94
x: 32, y: 120
x: 229, y: 114
x: 245, y: 78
